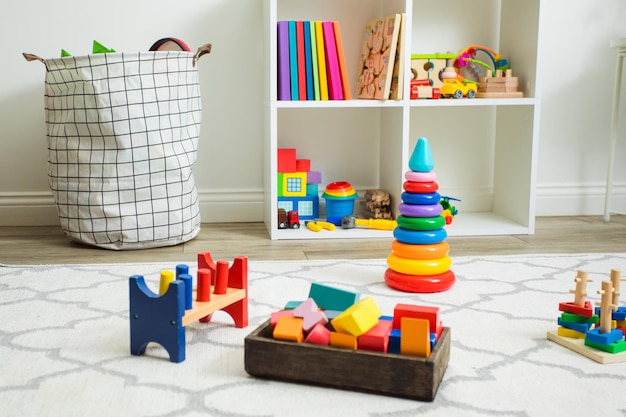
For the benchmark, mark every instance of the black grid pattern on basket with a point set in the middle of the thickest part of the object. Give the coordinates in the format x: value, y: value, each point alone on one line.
x: 122, y: 138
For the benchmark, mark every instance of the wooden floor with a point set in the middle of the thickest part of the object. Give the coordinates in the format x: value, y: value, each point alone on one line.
x: 48, y: 245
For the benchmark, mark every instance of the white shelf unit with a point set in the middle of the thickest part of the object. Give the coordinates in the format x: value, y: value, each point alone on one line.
x: 484, y: 149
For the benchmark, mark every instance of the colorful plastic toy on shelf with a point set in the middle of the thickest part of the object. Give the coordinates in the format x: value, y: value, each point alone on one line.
x: 595, y: 333
x: 453, y: 88
x: 162, y: 317
x: 340, y: 198
x: 297, y: 185
x: 419, y: 260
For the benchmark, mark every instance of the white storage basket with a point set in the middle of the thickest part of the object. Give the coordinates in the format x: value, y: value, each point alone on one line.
x: 123, y: 133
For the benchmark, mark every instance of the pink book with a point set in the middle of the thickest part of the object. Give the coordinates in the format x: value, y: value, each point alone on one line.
x: 335, y: 91
x: 301, y: 61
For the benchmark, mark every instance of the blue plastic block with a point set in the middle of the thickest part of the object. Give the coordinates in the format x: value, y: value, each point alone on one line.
x: 433, y: 341
x: 594, y: 336
x: 620, y: 314
x: 394, y: 341
x: 579, y: 327
x: 158, y: 319
x: 331, y: 298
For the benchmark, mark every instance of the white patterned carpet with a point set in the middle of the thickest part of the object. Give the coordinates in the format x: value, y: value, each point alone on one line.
x: 65, y: 344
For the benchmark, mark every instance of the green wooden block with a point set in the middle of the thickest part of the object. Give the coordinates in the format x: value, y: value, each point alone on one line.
x: 331, y: 298
x: 615, y: 347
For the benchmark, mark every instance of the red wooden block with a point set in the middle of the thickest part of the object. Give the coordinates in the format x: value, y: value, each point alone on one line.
x: 377, y: 338
x: 319, y: 335
x: 418, y: 312
x: 569, y: 307
x: 286, y: 160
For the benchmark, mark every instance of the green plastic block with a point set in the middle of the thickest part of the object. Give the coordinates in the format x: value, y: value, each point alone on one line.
x: 615, y: 347
x: 575, y: 318
x: 64, y: 53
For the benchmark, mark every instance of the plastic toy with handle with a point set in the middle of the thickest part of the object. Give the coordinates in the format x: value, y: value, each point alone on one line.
x: 350, y: 222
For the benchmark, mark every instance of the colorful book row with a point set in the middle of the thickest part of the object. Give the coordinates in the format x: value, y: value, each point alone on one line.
x: 311, y: 62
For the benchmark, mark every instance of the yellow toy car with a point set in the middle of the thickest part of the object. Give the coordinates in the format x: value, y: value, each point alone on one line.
x: 456, y: 89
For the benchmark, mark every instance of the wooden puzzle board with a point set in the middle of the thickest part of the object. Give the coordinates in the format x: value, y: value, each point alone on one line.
x: 578, y: 346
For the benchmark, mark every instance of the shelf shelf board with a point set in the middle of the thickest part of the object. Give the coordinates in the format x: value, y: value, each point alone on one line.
x: 310, y: 104
x: 450, y: 102
x: 485, y: 224
x: 465, y: 224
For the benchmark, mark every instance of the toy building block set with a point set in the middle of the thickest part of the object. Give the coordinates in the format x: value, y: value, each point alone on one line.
x: 597, y: 333
x: 332, y: 336
x: 297, y: 186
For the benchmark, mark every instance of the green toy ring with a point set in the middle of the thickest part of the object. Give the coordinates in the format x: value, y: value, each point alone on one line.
x: 421, y: 223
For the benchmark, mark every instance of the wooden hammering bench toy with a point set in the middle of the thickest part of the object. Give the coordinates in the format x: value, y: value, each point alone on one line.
x: 161, y: 318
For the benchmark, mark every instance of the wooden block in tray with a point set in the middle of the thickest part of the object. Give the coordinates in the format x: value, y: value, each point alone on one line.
x: 357, y: 370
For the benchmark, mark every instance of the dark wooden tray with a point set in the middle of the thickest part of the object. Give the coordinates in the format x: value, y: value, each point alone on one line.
x: 358, y: 370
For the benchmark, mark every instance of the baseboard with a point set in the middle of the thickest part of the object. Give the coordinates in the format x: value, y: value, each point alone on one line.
x: 38, y: 209
x: 556, y: 199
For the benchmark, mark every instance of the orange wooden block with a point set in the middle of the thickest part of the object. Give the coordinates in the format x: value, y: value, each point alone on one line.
x: 343, y: 340
x: 415, y: 337
x: 289, y: 328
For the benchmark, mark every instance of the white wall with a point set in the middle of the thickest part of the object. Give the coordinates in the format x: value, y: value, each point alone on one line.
x: 577, y: 64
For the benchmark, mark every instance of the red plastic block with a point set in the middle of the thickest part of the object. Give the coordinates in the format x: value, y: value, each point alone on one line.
x: 569, y: 307
x: 418, y: 312
x: 377, y: 338
x: 303, y: 165
x: 286, y: 160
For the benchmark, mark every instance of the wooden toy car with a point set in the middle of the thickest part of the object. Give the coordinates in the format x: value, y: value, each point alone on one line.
x: 423, y: 89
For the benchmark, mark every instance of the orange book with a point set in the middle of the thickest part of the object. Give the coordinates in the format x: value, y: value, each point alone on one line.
x: 343, y: 72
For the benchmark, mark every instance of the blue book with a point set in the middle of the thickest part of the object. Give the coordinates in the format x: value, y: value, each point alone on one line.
x: 293, y: 60
x: 310, y: 95
x: 284, y: 88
